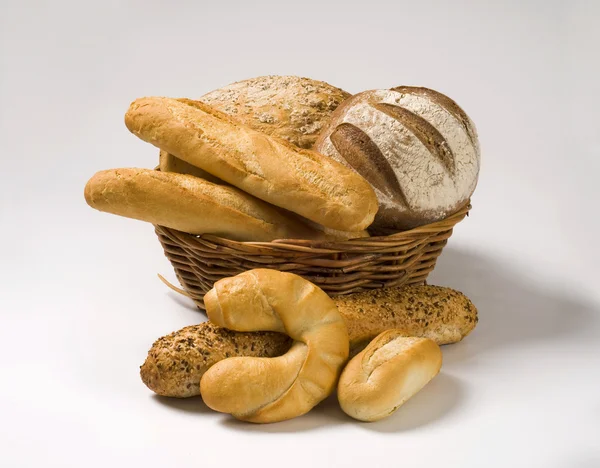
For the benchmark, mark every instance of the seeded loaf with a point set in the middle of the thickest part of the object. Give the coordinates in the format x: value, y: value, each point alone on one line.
x: 289, y: 107
x: 192, y: 205
x: 176, y: 363
x: 417, y: 148
x: 301, y: 181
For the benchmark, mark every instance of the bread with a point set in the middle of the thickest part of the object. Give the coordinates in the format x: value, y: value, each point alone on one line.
x: 176, y: 362
x: 288, y: 107
x: 390, y: 370
x: 190, y: 204
x: 264, y: 390
x: 169, y: 163
x: 440, y: 314
x: 298, y: 180
x: 417, y: 148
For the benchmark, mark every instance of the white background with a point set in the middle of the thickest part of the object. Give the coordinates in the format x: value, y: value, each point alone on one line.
x: 80, y: 303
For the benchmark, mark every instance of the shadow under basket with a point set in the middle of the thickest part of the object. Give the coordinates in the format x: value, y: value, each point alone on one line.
x: 341, y: 267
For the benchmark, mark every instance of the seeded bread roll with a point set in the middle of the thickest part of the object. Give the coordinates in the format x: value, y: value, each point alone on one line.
x: 389, y: 371
x: 417, y: 148
x: 298, y: 180
x: 176, y: 363
x: 191, y: 204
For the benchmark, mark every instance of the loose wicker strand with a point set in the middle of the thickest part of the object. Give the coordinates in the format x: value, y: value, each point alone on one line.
x: 170, y: 285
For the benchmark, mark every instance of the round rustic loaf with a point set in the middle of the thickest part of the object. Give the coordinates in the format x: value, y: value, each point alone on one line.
x: 289, y: 107
x: 417, y: 148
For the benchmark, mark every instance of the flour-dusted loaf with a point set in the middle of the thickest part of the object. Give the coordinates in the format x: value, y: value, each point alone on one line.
x: 389, y: 371
x: 416, y: 146
x: 191, y: 204
x: 176, y: 363
x: 299, y: 180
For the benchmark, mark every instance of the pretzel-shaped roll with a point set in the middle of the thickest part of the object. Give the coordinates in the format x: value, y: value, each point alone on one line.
x: 264, y: 390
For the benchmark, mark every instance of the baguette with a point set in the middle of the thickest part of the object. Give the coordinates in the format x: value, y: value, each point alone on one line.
x: 176, y: 363
x: 271, y: 169
x: 192, y: 205
x: 389, y: 371
x: 169, y: 163
x: 292, y: 108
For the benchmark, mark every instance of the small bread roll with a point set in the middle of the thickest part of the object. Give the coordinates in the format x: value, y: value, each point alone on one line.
x: 390, y: 370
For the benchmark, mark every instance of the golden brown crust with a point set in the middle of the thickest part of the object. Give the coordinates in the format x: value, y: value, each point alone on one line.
x: 298, y: 180
x: 389, y: 371
x: 292, y: 108
x: 191, y: 204
x: 269, y: 390
x: 441, y: 314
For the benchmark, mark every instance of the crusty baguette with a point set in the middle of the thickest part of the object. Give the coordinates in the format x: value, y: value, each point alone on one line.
x: 288, y: 107
x: 262, y: 390
x: 271, y: 169
x: 191, y: 204
x: 170, y: 163
x: 176, y: 362
x: 389, y: 371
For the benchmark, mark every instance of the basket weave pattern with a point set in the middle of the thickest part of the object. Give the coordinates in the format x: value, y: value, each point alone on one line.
x: 337, y: 267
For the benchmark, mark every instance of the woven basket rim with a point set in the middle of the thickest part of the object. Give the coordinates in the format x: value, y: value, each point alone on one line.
x: 365, y: 244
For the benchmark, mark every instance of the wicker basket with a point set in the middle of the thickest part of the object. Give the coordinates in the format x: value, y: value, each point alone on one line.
x: 337, y: 267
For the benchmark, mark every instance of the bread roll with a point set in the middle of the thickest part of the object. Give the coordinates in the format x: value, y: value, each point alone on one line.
x: 190, y: 204
x: 176, y: 362
x: 390, y: 370
x: 301, y: 181
x: 264, y: 390
x: 417, y: 148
